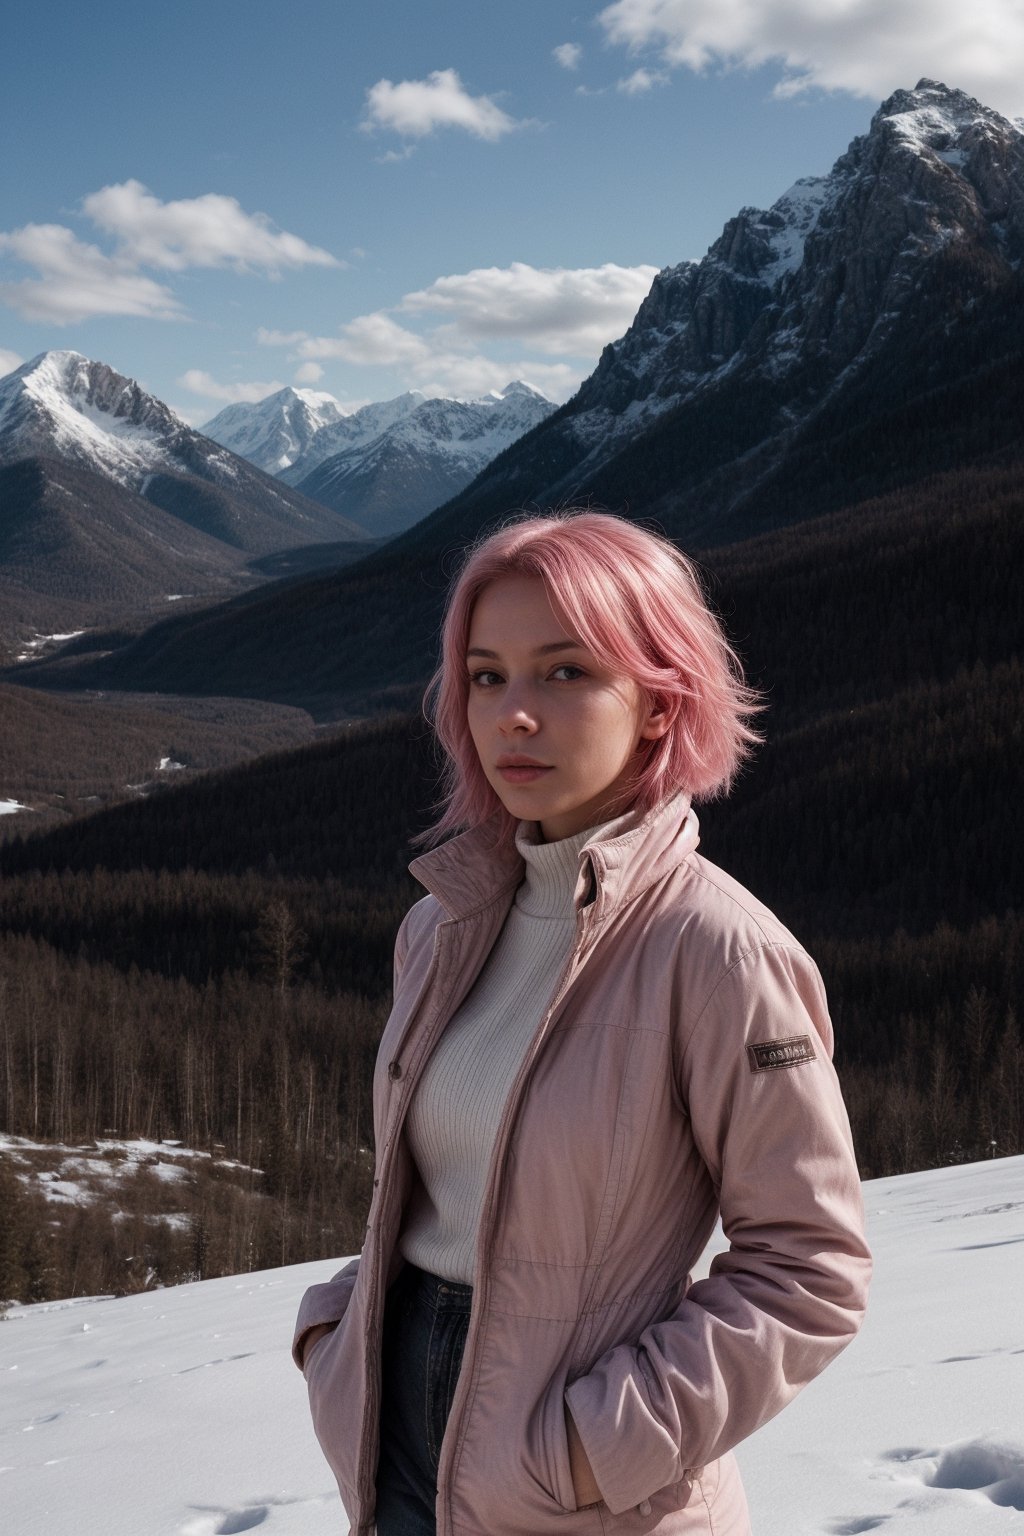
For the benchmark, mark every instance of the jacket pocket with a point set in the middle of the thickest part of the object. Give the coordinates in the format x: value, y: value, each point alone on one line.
x: 547, y: 1445
x: 336, y: 1383
x: 313, y: 1351
x: 510, y: 1472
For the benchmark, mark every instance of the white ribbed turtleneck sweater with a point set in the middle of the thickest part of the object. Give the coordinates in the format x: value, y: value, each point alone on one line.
x: 455, y: 1113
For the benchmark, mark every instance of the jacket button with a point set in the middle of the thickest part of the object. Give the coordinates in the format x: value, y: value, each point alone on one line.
x: 394, y: 1070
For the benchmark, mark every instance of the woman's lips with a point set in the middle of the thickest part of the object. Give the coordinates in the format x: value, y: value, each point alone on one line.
x: 522, y: 773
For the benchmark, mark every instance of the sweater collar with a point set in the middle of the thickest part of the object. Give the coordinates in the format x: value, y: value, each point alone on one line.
x: 553, y: 869
x: 624, y: 858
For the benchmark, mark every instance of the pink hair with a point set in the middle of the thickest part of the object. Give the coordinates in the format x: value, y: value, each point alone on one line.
x: 635, y: 601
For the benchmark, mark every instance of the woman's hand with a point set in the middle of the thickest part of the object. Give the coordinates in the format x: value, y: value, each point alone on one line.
x: 583, y: 1481
x: 311, y: 1337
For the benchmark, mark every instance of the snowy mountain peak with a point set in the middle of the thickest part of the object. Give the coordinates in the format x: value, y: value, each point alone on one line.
x: 86, y: 384
x: 389, y: 464
x: 797, y: 295
x: 316, y: 398
x: 518, y: 388
x: 63, y: 409
x: 934, y: 117
x: 272, y: 433
x: 64, y: 404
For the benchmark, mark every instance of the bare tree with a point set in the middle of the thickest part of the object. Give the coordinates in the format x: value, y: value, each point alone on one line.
x: 280, y: 943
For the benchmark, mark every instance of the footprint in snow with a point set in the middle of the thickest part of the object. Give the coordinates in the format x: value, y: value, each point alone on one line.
x: 226, y: 1522
x: 206, y: 1364
x: 991, y: 1467
x: 243, y: 1520
x: 220, y: 1520
x: 857, y: 1525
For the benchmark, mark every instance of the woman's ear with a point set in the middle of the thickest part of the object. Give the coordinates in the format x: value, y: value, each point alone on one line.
x: 659, y: 718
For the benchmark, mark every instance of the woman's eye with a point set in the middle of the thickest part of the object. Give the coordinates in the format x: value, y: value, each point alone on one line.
x: 484, y: 678
x: 567, y: 673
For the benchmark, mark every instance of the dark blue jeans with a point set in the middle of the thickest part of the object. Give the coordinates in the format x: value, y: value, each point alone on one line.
x: 425, y: 1323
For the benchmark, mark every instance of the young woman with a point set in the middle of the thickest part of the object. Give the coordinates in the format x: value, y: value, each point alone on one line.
x: 599, y: 1042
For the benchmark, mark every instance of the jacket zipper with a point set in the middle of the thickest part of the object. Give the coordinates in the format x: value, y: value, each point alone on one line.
x: 377, y: 1276
x: 481, y: 1288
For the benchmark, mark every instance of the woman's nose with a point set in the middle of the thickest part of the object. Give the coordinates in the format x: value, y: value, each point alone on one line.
x: 517, y: 713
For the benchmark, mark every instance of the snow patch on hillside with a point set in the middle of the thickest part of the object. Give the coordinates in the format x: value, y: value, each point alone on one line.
x: 800, y: 209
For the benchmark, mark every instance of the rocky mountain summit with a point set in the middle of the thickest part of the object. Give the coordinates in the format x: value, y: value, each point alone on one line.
x: 732, y: 358
x: 278, y: 430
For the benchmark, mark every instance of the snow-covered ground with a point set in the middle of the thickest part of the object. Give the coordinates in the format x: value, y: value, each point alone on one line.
x: 8, y: 807
x: 179, y: 1413
x: 39, y: 643
x: 97, y: 1170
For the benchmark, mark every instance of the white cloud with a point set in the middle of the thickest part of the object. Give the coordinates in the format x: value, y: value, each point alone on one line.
x: 573, y: 311
x: 641, y: 81
x: 207, y: 231
x: 565, y: 315
x: 868, y: 47
x: 568, y: 55
x: 414, y: 108
x: 77, y: 281
x: 470, y: 377
x: 272, y: 338
x: 9, y: 361
x: 369, y: 340
x: 396, y: 156
x: 192, y: 415
x: 201, y: 383
x: 309, y: 373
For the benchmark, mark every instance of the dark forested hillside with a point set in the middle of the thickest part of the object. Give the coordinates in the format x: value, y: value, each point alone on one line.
x: 886, y: 593
x: 210, y: 965
x: 213, y: 964
x: 62, y: 754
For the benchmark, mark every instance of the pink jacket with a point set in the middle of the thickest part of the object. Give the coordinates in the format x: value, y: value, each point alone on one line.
x: 683, y: 1067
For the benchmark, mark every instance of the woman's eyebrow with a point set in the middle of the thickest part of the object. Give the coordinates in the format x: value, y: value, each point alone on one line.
x: 541, y: 650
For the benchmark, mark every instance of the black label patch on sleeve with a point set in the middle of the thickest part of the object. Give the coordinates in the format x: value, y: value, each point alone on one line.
x: 770, y: 1055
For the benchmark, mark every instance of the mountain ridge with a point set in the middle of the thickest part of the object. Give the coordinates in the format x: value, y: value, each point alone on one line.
x: 62, y: 405
x: 862, y: 335
x: 421, y: 460
x: 112, y: 504
x: 388, y: 463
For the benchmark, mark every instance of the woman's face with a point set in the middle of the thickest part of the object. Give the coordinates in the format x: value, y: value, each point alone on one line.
x: 556, y: 732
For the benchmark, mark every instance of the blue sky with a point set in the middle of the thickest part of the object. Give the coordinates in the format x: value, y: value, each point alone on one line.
x: 219, y: 199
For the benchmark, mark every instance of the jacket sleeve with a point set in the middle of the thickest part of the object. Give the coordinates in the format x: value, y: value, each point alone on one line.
x: 327, y: 1303
x: 756, y: 1075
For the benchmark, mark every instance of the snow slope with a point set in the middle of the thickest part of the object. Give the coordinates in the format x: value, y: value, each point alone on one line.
x: 65, y: 405
x: 179, y: 1413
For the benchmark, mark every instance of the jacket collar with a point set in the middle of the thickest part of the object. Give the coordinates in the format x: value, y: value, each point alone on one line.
x: 474, y: 868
